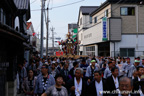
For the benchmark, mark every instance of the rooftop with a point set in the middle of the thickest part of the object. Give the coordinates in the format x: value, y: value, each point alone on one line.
x: 86, y: 10
x: 22, y: 4
x: 107, y: 2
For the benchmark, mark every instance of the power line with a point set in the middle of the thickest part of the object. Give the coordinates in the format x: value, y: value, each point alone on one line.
x: 37, y: 9
x: 60, y: 6
x: 67, y: 4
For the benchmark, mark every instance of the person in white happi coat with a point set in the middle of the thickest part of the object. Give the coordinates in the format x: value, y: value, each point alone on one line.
x: 142, y: 64
x: 107, y: 71
x: 126, y: 66
x: 133, y: 67
x: 90, y: 71
x: 77, y: 85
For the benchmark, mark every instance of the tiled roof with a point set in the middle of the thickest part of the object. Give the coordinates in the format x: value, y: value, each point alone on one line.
x: 22, y: 4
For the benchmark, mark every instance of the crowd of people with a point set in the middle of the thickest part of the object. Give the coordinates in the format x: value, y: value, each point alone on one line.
x: 84, y: 76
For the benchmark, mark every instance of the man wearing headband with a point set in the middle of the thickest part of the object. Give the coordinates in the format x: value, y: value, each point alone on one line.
x: 126, y: 66
x: 90, y: 71
x: 133, y: 67
x: 142, y: 63
x: 44, y: 81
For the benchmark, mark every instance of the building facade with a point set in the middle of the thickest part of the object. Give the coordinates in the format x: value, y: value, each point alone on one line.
x: 12, y: 37
x: 84, y: 22
x: 116, y: 30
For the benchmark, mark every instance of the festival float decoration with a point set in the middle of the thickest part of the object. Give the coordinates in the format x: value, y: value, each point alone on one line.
x: 69, y: 46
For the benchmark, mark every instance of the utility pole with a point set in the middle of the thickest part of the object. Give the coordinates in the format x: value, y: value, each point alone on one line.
x: 47, y: 26
x: 52, y: 29
x: 42, y: 27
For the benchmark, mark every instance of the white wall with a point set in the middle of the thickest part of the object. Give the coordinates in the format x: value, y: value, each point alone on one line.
x: 129, y: 41
x: 96, y: 50
x: 93, y: 34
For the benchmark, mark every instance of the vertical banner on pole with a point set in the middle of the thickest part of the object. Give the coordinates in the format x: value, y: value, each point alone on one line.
x: 104, y: 28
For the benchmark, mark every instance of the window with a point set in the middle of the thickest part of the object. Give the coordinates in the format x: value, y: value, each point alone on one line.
x: 92, y: 48
x: 125, y: 11
x: 90, y: 20
x: 95, y: 19
x: 106, y: 13
x: 90, y: 51
x: 127, y: 52
x: 2, y: 16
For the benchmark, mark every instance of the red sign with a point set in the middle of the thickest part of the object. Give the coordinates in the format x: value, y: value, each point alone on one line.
x: 59, y: 53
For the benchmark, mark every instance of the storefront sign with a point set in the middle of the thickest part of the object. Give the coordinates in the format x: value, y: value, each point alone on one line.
x: 104, y: 26
x: 88, y: 36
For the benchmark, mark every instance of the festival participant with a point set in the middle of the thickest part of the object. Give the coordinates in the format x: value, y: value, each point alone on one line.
x: 142, y: 63
x: 77, y: 86
x: 65, y: 73
x: 53, y: 70
x: 107, y: 71
x: 90, y: 71
x: 84, y: 66
x: 32, y: 66
x: 141, y: 84
x: 98, y: 86
x: 38, y: 68
x: 44, y: 81
x: 140, y: 70
x: 60, y: 66
x: 22, y: 75
x: 125, y: 87
x: 29, y: 84
x: 88, y: 60
x: 126, y: 67
x: 71, y: 72
x: 113, y: 81
x: 133, y: 67
x: 57, y: 89
x: 134, y: 75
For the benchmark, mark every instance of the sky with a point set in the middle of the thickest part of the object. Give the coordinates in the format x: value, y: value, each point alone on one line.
x: 59, y: 17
